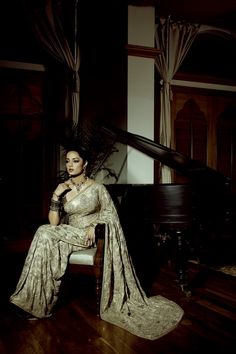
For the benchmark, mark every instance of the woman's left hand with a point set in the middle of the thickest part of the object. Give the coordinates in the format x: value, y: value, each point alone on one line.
x: 91, y: 236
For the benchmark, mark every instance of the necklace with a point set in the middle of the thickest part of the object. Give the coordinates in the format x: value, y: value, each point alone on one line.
x: 78, y: 185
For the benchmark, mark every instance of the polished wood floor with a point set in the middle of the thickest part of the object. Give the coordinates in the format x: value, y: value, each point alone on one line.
x: 209, y: 323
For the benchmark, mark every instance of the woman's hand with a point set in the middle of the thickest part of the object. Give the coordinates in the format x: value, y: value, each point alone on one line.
x: 61, y: 188
x: 91, y: 236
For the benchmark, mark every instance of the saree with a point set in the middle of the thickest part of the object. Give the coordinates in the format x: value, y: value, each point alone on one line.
x: 123, y: 301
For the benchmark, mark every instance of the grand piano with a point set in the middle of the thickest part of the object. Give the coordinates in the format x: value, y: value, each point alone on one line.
x: 188, y: 213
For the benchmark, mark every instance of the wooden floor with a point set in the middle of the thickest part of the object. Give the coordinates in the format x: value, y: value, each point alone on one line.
x: 208, y: 326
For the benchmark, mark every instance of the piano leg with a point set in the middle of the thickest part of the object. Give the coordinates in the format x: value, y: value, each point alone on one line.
x: 182, y: 262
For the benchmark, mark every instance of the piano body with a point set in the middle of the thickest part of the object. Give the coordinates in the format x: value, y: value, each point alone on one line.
x: 188, y: 212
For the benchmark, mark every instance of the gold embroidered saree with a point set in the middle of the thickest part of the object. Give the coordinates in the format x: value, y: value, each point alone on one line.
x: 123, y: 302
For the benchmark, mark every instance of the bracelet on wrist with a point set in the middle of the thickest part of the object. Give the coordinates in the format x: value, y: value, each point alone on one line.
x: 55, y: 205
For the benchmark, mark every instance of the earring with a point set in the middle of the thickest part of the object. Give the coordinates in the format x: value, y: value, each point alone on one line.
x: 84, y: 169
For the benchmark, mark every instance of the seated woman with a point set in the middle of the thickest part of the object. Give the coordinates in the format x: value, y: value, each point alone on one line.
x: 87, y: 203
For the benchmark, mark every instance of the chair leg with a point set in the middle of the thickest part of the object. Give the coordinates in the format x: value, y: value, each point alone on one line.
x: 98, y: 294
x: 98, y: 263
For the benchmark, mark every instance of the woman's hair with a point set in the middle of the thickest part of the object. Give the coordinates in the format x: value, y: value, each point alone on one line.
x: 82, y: 152
x: 89, y: 140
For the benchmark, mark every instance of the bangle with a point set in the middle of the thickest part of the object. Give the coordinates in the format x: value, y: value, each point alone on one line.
x: 55, y: 205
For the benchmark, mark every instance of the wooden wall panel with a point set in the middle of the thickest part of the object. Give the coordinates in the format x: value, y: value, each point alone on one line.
x: 189, y: 108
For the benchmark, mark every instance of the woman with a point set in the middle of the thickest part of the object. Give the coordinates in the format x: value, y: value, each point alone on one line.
x: 123, y: 302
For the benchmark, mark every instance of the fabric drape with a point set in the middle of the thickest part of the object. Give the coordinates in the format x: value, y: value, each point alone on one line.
x: 173, y: 38
x: 49, y: 31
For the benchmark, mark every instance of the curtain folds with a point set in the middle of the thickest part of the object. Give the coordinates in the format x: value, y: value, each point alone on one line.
x: 173, y: 38
x: 45, y: 18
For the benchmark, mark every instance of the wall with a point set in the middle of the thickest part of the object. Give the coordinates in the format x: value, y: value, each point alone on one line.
x: 140, y: 117
x: 130, y: 165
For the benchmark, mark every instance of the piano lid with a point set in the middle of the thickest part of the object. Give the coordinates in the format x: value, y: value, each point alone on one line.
x: 193, y: 169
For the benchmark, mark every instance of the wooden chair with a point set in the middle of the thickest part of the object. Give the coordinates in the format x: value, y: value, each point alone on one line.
x: 90, y: 261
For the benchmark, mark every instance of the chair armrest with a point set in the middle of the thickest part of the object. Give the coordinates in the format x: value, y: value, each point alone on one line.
x: 99, y: 232
x: 100, y: 239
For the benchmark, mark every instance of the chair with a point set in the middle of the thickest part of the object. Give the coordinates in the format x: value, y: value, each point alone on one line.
x: 90, y: 261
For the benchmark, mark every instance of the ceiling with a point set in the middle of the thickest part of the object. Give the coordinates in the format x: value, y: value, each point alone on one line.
x: 17, y: 41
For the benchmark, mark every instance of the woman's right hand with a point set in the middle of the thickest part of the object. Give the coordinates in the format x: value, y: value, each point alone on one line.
x: 61, y: 188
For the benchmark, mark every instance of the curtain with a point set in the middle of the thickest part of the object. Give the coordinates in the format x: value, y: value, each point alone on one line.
x: 45, y: 17
x: 217, y: 32
x: 173, y: 38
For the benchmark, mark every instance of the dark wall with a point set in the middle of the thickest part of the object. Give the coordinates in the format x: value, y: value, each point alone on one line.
x: 101, y: 33
x: 103, y: 71
x: 102, y: 39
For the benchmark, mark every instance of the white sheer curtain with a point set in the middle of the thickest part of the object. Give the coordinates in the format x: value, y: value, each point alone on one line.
x: 46, y: 23
x: 174, y: 39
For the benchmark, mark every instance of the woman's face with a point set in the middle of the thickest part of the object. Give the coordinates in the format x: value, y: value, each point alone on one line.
x: 74, y: 163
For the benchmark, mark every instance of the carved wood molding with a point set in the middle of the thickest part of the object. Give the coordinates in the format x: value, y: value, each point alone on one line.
x: 141, y: 51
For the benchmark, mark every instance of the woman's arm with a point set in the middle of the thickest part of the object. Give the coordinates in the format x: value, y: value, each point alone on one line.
x: 53, y: 217
x: 54, y: 212
x: 55, y: 207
